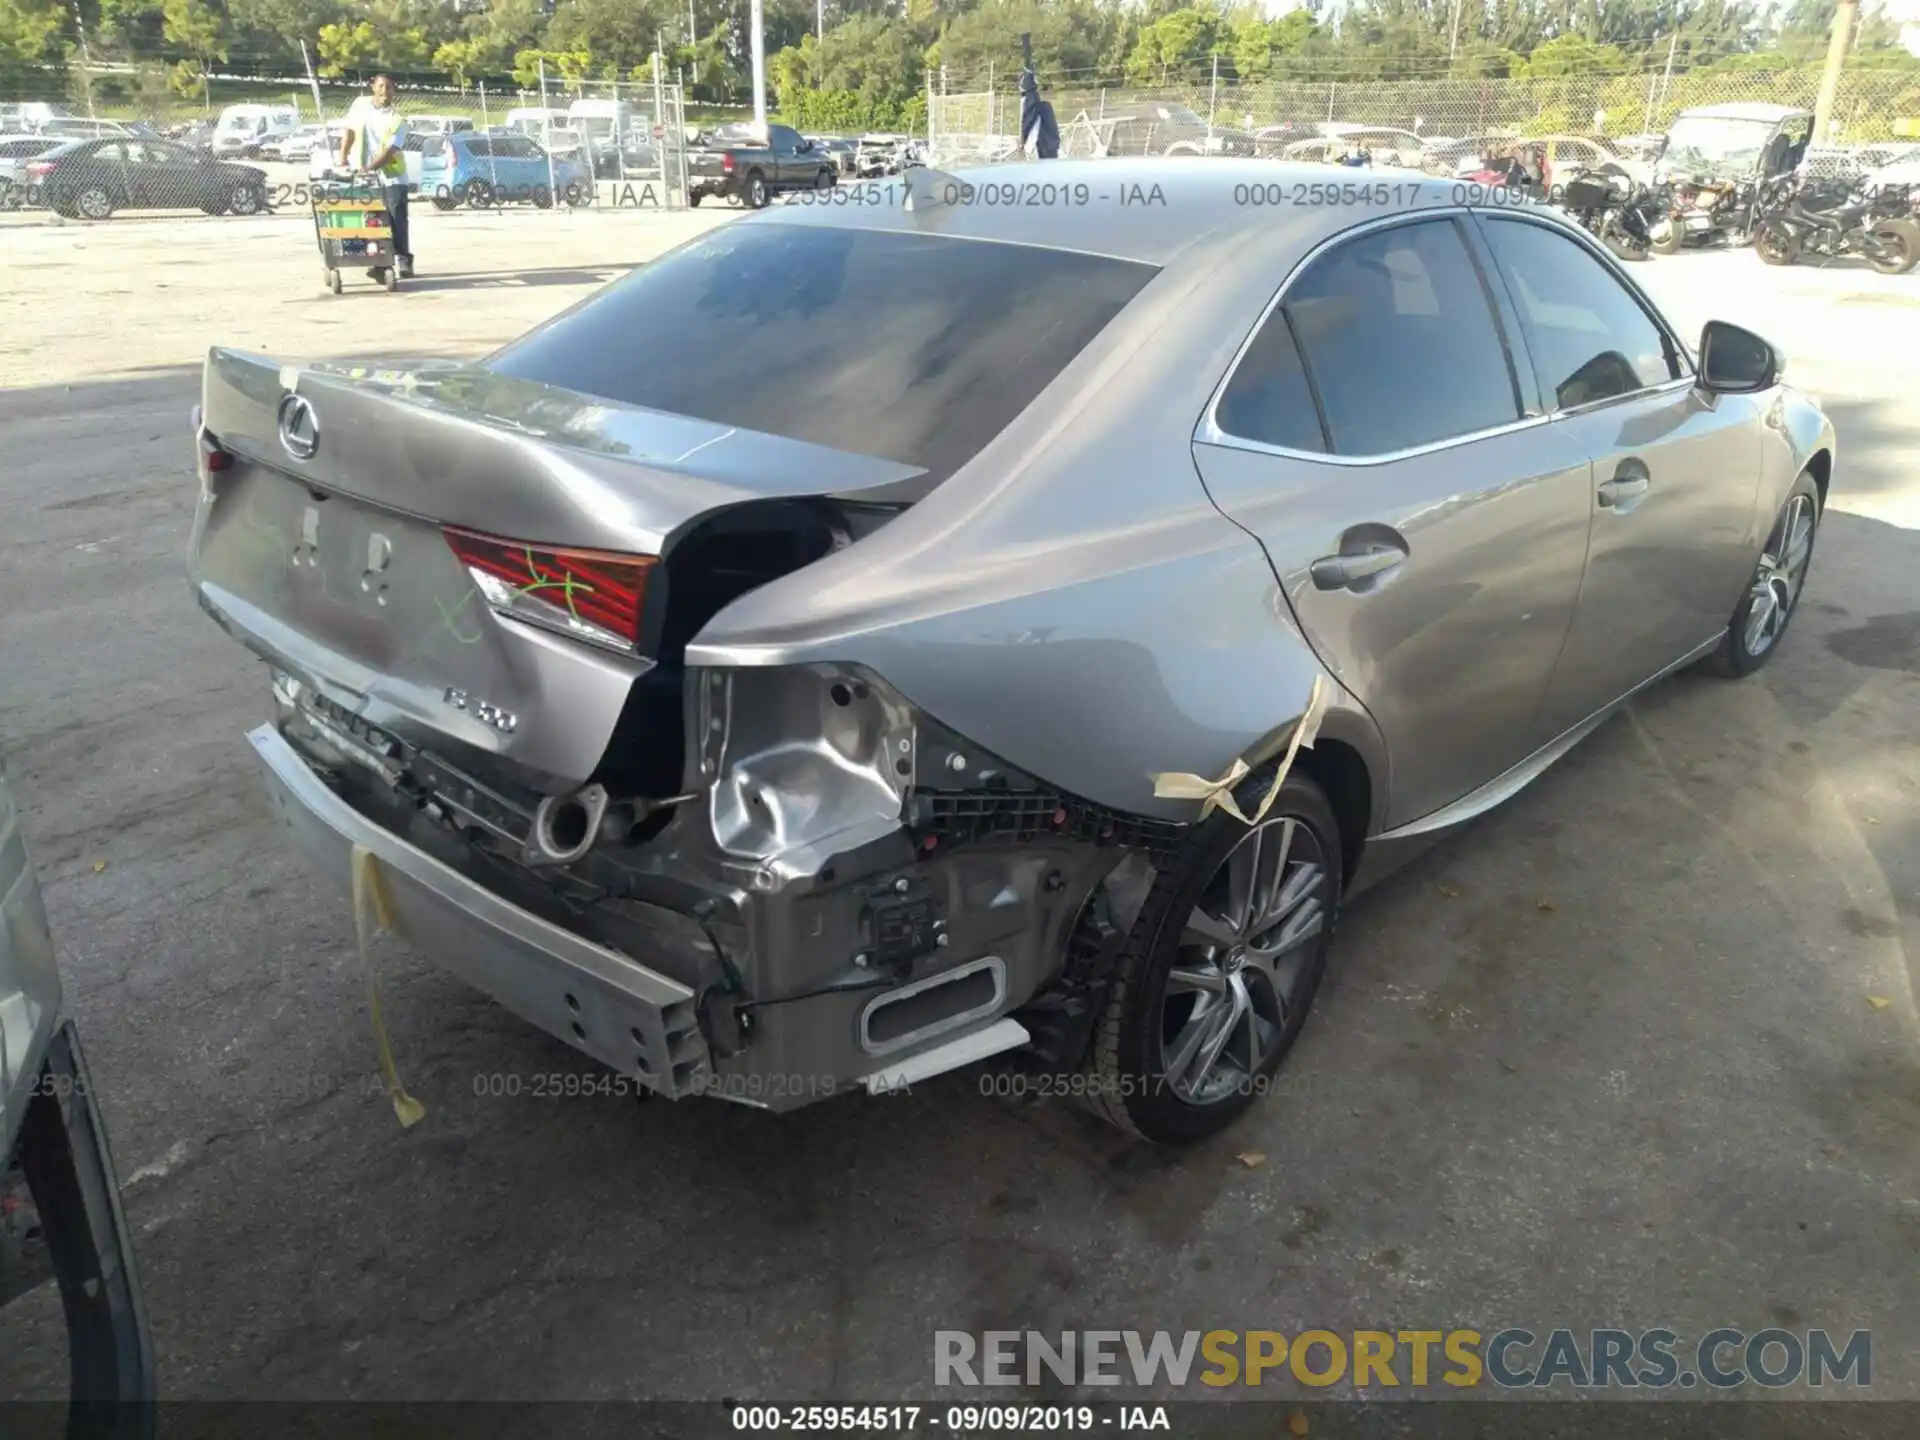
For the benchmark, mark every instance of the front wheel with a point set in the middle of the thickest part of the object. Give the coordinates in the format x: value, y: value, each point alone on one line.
x: 542, y: 198
x: 1898, y: 247
x: 1665, y: 236
x: 1220, y: 968
x: 1772, y: 596
x: 824, y: 180
x: 758, y: 195
x: 1775, y: 244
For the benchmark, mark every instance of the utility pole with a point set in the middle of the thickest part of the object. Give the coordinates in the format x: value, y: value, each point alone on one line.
x: 1844, y: 16
x: 1453, y: 43
x: 819, y: 21
x: 757, y: 20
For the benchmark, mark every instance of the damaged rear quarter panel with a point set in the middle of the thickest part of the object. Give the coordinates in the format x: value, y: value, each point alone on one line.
x: 1071, y: 599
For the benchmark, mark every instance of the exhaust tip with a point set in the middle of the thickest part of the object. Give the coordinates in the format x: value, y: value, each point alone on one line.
x: 565, y: 827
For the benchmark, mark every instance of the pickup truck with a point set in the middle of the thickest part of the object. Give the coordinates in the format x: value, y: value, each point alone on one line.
x: 741, y: 162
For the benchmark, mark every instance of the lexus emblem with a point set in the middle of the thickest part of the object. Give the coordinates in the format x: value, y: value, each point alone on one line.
x: 299, y: 427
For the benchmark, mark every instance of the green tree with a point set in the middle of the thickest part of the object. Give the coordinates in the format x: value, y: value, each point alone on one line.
x: 201, y: 31
x: 1174, y: 45
x: 29, y: 39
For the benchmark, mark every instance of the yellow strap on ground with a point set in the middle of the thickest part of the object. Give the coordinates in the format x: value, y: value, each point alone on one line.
x: 1218, y: 794
x: 370, y: 897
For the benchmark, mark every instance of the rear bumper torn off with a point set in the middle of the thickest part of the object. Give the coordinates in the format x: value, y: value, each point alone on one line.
x: 631, y: 1018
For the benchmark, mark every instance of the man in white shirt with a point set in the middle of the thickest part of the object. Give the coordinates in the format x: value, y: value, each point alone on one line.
x: 374, y: 141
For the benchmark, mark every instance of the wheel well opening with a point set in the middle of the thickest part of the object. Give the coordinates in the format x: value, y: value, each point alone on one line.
x: 1821, y: 466
x: 1338, y: 770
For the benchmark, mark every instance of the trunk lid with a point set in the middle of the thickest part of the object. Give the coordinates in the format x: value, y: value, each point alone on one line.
x: 320, y: 542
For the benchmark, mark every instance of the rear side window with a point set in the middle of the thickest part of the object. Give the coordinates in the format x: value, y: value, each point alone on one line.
x: 1399, y: 338
x: 479, y: 146
x: 916, y: 348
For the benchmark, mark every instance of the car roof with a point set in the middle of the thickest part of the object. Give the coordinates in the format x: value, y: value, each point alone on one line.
x: 1198, y: 201
x: 1744, y: 110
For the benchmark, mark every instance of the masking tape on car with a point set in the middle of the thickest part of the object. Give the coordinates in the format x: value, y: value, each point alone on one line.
x: 1218, y: 794
x: 370, y: 902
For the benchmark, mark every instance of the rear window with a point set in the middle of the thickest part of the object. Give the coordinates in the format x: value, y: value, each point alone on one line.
x: 915, y: 348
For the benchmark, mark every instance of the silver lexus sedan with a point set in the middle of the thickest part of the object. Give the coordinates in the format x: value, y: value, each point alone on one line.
x: 1005, y: 616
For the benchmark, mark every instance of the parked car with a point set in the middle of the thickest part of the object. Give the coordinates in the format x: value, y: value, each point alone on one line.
x: 1453, y: 157
x: 742, y: 163
x: 879, y: 154
x: 1570, y: 155
x: 91, y: 179
x: 1164, y: 129
x: 84, y: 128
x: 439, y: 124
x: 840, y: 148
x: 60, y: 1215
x: 297, y: 147
x: 837, y: 696
x: 498, y: 167
x: 16, y: 151
x: 1387, y: 146
x: 242, y: 129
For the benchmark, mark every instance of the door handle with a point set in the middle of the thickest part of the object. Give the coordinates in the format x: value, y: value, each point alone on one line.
x: 1628, y: 484
x: 1348, y: 571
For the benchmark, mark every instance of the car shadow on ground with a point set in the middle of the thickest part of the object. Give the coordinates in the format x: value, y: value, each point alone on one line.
x: 496, y: 279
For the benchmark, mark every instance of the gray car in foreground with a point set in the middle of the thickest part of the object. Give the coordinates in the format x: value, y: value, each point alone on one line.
x: 60, y: 1216
x: 819, y: 659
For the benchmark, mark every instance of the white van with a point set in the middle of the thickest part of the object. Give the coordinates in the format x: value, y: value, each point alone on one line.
x: 608, y: 123
x: 242, y: 128
x: 438, y: 124
x: 536, y: 122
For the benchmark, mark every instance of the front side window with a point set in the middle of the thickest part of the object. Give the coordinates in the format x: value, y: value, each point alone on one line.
x: 1590, y: 339
x: 1400, y: 342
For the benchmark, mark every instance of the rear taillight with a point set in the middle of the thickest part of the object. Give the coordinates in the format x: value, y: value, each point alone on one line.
x: 588, y: 594
x: 726, y: 162
x: 39, y: 169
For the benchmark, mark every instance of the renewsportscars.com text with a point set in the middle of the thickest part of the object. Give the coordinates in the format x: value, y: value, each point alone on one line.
x: 1512, y: 1358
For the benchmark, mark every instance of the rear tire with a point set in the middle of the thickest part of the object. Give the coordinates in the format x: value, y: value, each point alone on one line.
x: 1170, y: 976
x: 247, y: 200
x: 694, y: 197
x: 333, y: 281
x: 1772, y: 597
x: 479, y: 194
x: 1665, y: 237
x: 1900, y: 242
x: 542, y: 198
x: 95, y: 202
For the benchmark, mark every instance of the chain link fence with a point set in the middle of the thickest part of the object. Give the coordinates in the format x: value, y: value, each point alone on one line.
x: 982, y: 126
x: 254, y: 145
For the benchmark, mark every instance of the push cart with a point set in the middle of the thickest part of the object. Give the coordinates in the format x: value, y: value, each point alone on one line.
x: 355, y: 231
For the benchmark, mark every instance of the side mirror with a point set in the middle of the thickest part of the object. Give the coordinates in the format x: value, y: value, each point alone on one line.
x: 1735, y: 361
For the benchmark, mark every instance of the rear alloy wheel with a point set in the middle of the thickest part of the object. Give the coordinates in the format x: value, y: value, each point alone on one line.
x: 479, y: 194
x: 1220, y: 968
x: 1899, y: 247
x: 542, y: 198
x: 1765, y: 611
x: 94, y: 203
x: 1665, y: 237
x: 247, y: 200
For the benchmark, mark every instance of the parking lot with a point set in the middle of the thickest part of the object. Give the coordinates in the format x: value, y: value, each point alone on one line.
x: 1638, y: 1050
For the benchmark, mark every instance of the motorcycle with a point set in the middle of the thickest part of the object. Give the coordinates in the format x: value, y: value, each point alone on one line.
x: 1829, y: 222
x: 1714, y: 212
x: 1614, y: 209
